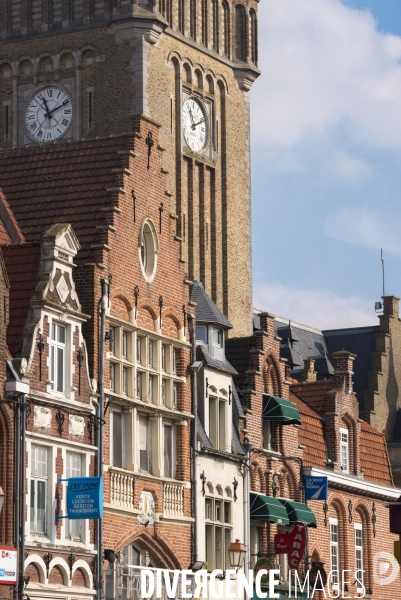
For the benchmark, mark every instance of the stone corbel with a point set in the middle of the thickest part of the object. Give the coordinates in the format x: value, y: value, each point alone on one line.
x: 245, y: 76
x: 149, y: 28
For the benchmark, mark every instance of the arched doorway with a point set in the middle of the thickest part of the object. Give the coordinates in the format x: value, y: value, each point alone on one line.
x: 123, y: 575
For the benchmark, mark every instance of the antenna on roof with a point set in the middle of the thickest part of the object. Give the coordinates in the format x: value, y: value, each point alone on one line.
x: 382, y: 259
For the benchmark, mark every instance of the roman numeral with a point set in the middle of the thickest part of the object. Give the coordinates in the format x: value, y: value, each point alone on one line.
x: 49, y: 135
x: 31, y: 117
x: 58, y: 95
x: 59, y: 130
x: 50, y: 93
x: 65, y: 122
x: 67, y: 111
x: 40, y: 133
x: 33, y: 126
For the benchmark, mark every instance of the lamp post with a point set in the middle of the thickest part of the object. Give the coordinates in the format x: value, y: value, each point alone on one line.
x: 247, y: 513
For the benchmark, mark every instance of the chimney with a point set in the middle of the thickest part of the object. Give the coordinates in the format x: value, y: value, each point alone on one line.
x: 391, y: 306
x: 267, y: 323
x: 343, y: 369
x: 308, y: 373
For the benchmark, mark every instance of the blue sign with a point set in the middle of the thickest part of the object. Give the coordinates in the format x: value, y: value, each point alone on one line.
x: 316, y: 488
x: 85, y: 498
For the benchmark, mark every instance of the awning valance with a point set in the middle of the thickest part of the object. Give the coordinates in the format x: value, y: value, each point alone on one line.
x: 279, y: 410
x: 265, y: 508
x: 299, y: 512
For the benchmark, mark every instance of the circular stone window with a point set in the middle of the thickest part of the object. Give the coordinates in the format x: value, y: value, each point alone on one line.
x: 148, y: 249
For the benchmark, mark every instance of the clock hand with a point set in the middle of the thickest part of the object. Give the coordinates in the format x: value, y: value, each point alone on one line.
x: 47, y: 114
x: 192, y: 119
x: 59, y: 106
x: 198, y: 123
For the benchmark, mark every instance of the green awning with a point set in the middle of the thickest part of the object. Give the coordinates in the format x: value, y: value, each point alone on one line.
x: 265, y: 508
x: 299, y: 512
x: 279, y: 410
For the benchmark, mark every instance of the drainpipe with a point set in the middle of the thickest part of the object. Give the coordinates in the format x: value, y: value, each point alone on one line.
x: 17, y: 489
x: 97, y: 474
x: 103, y: 305
x: 247, y: 515
x: 194, y: 411
x: 23, y: 497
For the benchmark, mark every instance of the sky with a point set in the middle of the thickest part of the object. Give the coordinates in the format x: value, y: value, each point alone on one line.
x: 326, y: 159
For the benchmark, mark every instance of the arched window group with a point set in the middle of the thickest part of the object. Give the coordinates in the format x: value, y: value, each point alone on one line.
x: 210, y: 23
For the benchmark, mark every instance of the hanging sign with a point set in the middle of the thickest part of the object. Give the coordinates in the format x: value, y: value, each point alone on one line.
x: 292, y: 544
x: 84, y: 498
x: 8, y: 565
x: 316, y: 488
x: 263, y: 563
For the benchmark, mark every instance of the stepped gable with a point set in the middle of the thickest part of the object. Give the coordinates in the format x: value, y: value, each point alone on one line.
x: 61, y: 183
x: 310, y: 434
x: 22, y: 264
x: 374, y: 456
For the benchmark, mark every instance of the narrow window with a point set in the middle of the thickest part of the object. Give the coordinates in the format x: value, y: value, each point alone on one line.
x: 208, y: 509
x: 139, y: 376
x: 267, y: 435
x: 344, y: 450
x: 227, y: 512
x: 226, y: 26
x: 151, y: 353
x: 175, y: 395
x: 164, y: 352
x: 164, y: 392
x: 139, y: 350
x: 192, y: 19
x: 213, y: 422
x: 222, y: 425
x: 152, y: 388
x: 181, y: 15
x: 218, y: 514
x: 175, y: 357
x: 359, y: 557
x: 240, y: 33
x: 39, y: 483
x: 168, y: 450
x: 204, y: 22
x: 74, y: 469
x: 145, y: 443
x: 254, y: 36
x: 215, y: 29
x: 89, y: 110
x: 334, y: 552
x: 112, y: 377
x: 218, y: 337
x: 125, y: 381
x: 6, y: 117
x: 58, y: 357
x: 117, y: 445
x: 125, y: 344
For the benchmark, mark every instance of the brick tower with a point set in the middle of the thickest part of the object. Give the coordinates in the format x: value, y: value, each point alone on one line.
x: 73, y: 69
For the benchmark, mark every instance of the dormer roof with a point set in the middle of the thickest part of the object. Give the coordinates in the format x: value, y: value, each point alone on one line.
x: 206, y: 309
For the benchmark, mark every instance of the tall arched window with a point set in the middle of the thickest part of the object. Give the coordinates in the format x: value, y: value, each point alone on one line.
x: 204, y: 22
x: 240, y: 32
x: 192, y: 19
x: 226, y: 26
x: 254, y: 37
x: 181, y: 15
x: 215, y: 24
x: 169, y: 12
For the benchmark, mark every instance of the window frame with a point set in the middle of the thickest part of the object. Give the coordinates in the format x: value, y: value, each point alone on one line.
x: 115, y: 410
x: 344, y: 445
x: 55, y: 345
x: 359, y: 559
x: 170, y: 425
x: 224, y: 529
x: 335, y: 552
x: 149, y: 434
x: 71, y: 523
x: 35, y: 479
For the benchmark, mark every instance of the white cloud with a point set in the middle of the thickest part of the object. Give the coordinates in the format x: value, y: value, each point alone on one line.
x: 325, y: 66
x: 366, y: 227
x: 317, y: 308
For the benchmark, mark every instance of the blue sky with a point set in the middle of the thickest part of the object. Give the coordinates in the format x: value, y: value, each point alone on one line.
x: 326, y: 159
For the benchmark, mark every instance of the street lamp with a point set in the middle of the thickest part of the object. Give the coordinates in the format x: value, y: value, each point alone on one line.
x: 2, y: 494
x: 236, y: 553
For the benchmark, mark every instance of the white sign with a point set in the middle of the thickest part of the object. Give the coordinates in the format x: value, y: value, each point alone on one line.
x: 8, y: 565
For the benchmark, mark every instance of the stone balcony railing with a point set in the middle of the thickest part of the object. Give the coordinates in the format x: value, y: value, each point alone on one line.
x: 122, y: 493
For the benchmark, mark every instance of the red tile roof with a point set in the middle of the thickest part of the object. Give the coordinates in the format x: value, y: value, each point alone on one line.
x: 374, y: 456
x: 313, y: 393
x: 61, y: 183
x: 310, y: 434
x: 22, y: 264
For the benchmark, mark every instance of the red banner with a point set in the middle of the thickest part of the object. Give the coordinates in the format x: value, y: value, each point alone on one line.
x: 292, y: 544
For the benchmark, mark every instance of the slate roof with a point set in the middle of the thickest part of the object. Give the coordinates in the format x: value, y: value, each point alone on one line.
x: 237, y: 353
x: 22, y: 264
x: 360, y: 341
x: 206, y: 310
x: 311, y: 434
x: 61, y: 183
x: 220, y: 365
x: 374, y: 456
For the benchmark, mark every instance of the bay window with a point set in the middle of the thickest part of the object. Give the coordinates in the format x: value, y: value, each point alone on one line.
x: 39, y: 489
x: 58, y: 357
x: 218, y: 532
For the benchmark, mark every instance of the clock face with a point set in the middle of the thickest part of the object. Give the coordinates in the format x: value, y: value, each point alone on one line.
x: 194, y: 124
x: 48, y: 115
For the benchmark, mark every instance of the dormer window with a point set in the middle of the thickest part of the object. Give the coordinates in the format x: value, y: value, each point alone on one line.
x: 218, y: 337
x: 344, y: 450
x: 201, y: 334
x: 57, y: 357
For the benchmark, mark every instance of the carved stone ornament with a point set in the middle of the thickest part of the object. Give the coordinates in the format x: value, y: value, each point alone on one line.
x: 62, y: 289
x: 147, y: 508
x: 76, y: 425
x: 42, y: 417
